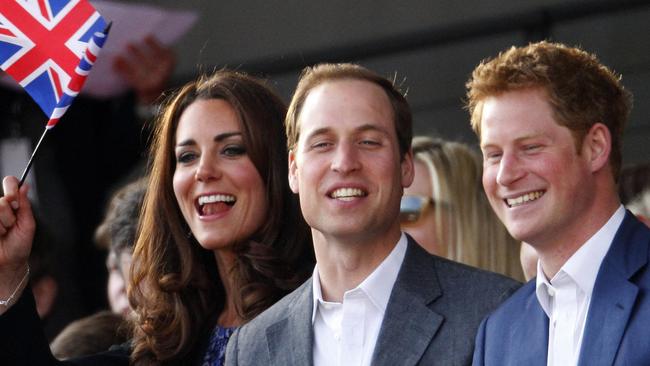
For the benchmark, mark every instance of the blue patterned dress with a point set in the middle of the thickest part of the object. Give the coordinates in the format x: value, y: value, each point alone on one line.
x: 216, y: 352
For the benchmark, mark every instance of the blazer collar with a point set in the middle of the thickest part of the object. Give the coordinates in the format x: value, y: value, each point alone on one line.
x: 529, y: 338
x: 290, y: 339
x: 409, y: 324
x: 614, y: 294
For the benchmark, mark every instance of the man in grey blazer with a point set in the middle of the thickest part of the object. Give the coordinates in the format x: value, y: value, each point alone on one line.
x: 376, y: 297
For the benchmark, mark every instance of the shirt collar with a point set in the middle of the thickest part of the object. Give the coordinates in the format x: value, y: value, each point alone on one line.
x: 583, y: 266
x: 377, y: 286
x: 542, y: 288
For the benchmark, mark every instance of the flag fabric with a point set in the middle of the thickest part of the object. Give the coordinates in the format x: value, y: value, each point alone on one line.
x: 79, y: 78
x: 48, y: 47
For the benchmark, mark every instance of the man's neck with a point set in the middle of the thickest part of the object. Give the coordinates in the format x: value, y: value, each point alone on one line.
x: 556, y: 252
x: 344, y: 264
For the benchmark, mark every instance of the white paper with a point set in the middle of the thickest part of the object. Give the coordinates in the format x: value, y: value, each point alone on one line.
x: 131, y: 24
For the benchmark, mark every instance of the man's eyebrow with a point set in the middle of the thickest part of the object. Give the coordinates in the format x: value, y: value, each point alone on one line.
x: 518, y: 140
x: 362, y: 128
x: 371, y: 127
x: 318, y: 131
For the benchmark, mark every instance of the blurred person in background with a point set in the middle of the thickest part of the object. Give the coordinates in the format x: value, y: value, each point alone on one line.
x: 528, y: 258
x: 446, y: 211
x: 640, y: 206
x: 117, y: 233
x: 89, y: 335
x: 634, y: 179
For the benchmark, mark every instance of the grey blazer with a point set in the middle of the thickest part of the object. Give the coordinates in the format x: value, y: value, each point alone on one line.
x: 434, y: 311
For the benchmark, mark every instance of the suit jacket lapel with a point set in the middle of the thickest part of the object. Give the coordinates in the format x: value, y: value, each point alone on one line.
x: 409, y: 325
x: 614, y: 295
x: 530, y: 338
x: 290, y: 339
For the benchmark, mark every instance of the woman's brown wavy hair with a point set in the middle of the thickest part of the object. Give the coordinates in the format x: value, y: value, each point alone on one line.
x: 175, y: 289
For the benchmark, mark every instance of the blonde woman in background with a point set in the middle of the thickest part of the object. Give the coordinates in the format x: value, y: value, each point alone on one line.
x: 640, y: 206
x: 446, y: 211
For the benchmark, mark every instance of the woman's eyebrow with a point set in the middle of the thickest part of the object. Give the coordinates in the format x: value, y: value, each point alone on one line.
x: 220, y: 137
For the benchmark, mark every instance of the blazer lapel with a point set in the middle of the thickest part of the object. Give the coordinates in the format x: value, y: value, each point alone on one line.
x: 290, y: 339
x: 530, y: 338
x: 614, y: 295
x: 409, y: 325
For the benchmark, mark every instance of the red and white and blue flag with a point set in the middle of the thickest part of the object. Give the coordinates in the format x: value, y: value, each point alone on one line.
x: 48, y: 47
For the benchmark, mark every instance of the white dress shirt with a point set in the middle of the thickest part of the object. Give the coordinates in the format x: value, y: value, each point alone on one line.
x: 346, y: 333
x: 566, y: 297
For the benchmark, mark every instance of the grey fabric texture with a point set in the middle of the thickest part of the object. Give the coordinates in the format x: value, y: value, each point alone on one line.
x: 434, y: 311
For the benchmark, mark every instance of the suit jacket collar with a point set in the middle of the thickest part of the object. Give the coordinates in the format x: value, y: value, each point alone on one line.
x: 614, y: 294
x: 612, y: 300
x: 290, y: 340
x: 529, y: 338
x: 408, y: 327
x: 409, y: 324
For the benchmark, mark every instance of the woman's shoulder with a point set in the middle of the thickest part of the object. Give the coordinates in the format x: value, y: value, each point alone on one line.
x: 216, y: 351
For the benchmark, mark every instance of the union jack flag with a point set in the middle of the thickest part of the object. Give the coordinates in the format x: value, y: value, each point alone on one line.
x: 44, y: 46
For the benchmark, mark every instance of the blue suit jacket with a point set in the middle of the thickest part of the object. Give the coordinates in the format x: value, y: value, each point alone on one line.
x: 617, y: 329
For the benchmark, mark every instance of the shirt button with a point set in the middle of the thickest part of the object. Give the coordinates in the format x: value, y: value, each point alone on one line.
x: 550, y: 291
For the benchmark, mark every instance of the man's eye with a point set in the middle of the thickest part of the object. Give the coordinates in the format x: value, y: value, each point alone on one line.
x: 321, y: 145
x: 370, y: 142
x: 532, y: 147
x: 492, y: 157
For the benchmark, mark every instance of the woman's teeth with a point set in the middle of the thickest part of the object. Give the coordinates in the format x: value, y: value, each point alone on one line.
x: 209, y: 205
x: 216, y: 198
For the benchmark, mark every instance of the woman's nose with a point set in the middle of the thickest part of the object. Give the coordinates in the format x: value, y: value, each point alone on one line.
x: 207, y: 169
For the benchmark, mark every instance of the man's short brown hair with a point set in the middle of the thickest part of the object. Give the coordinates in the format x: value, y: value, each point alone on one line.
x: 312, y: 77
x: 581, y: 91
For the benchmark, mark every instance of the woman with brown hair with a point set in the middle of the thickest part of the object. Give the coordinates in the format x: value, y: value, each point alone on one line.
x: 221, y: 236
